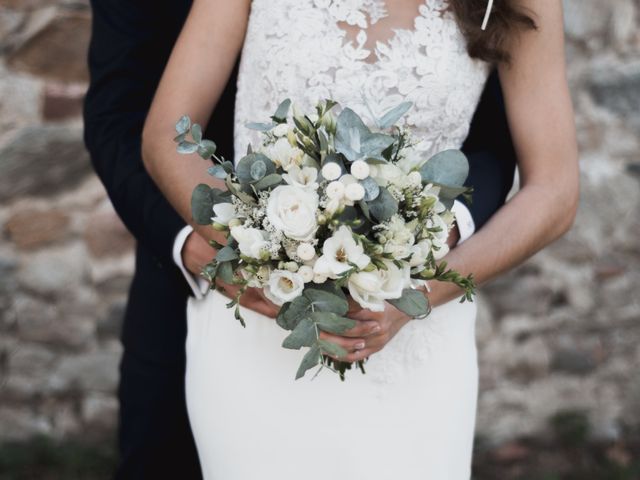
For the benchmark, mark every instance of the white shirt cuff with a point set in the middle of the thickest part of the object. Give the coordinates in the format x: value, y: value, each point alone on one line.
x: 198, y: 285
x: 465, y: 222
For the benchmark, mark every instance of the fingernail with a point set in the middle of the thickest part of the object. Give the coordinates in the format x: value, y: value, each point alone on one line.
x: 359, y: 345
x: 376, y: 328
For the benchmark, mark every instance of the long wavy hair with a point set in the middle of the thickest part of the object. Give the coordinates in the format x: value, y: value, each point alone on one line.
x: 491, y: 45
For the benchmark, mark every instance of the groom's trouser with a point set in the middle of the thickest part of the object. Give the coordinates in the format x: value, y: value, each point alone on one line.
x: 155, y: 438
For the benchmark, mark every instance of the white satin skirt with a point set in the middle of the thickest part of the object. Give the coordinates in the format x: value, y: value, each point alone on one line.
x: 410, y: 417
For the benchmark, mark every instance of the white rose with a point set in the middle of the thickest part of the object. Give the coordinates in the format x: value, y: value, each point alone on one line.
x: 283, y: 286
x: 251, y: 241
x: 224, y: 213
x: 304, y: 177
x: 371, y: 289
x: 338, y: 253
x: 292, y: 211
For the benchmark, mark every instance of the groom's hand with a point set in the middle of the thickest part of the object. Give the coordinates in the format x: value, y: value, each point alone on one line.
x: 197, y: 252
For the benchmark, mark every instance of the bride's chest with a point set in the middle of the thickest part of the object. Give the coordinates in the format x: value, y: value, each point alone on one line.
x: 340, y: 47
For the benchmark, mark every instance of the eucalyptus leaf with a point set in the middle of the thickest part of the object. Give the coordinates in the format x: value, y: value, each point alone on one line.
x: 217, y: 171
x: 196, y: 132
x: 245, y: 165
x: 373, y: 145
x: 242, y: 196
x: 202, y: 204
x: 332, y: 323
x: 393, y: 115
x: 258, y: 170
x: 384, y: 206
x: 282, y: 111
x: 185, y: 147
x: 268, y: 181
x: 326, y: 301
x: 449, y: 167
x: 292, y: 312
x: 304, y: 335
x: 310, y: 360
x: 371, y: 189
x: 225, y: 272
x: 332, y: 349
x: 412, y: 302
x: 206, y: 149
x: 226, y: 254
x: 183, y: 125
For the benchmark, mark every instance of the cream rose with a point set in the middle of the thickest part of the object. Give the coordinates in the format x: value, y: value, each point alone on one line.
x: 371, y: 289
x: 251, y: 241
x: 292, y: 210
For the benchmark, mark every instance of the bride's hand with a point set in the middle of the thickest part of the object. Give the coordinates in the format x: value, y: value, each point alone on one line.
x: 197, y: 252
x: 373, y: 331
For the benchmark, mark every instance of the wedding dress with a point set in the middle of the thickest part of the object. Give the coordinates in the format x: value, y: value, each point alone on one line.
x: 411, y: 416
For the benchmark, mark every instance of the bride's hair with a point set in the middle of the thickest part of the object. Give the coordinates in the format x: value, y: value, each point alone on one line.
x: 507, y: 18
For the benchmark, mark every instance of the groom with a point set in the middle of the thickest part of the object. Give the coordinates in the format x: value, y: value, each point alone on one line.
x: 131, y: 42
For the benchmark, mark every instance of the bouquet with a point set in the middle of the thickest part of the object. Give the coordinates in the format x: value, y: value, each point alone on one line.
x: 323, y: 208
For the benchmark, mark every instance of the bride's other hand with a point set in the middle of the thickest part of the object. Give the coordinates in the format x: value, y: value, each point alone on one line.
x: 197, y: 252
x: 375, y: 330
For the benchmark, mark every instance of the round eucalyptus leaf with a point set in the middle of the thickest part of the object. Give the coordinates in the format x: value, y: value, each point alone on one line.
x: 258, y: 169
x: 371, y: 189
x: 449, y: 167
x: 384, y: 206
x: 196, y: 133
x: 217, y: 171
x: 183, y: 125
x: 187, y: 147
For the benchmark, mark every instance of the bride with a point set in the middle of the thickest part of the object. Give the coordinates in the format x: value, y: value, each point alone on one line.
x: 412, y: 415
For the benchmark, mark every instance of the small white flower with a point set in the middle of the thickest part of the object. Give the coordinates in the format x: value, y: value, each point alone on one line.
x: 306, y: 272
x: 283, y: 154
x: 332, y: 206
x: 419, y: 253
x: 283, y: 286
x: 354, y: 192
x: 414, y: 179
x: 388, y: 173
x: 339, y: 252
x: 398, y: 238
x: 281, y: 130
x: 224, y: 212
x: 292, y: 211
x: 331, y: 171
x: 335, y: 190
x: 251, y: 241
x: 304, y: 177
x: 360, y: 169
x: 306, y: 252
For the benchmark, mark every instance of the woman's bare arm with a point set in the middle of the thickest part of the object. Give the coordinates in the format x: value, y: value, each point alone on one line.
x: 541, y: 120
x: 542, y: 124
x: 196, y: 74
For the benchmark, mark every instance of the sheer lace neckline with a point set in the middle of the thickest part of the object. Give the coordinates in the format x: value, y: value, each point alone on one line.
x: 355, y: 20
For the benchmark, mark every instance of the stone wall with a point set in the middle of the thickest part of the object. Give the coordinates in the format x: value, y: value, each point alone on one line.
x: 559, y: 334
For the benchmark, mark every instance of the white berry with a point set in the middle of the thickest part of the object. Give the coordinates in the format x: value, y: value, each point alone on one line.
x: 354, y: 192
x: 335, y: 190
x: 306, y: 251
x: 306, y: 272
x: 360, y: 169
x: 331, y: 171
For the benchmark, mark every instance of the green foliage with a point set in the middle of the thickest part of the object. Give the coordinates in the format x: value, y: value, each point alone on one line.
x: 383, y: 207
x: 412, y: 302
x: 254, y: 167
x: 392, y: 116
x: 450, y: 167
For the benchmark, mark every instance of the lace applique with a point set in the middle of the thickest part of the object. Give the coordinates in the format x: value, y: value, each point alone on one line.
x: 355, y: 12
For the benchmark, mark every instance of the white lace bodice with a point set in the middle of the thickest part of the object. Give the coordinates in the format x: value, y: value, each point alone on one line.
x: 297, y: 49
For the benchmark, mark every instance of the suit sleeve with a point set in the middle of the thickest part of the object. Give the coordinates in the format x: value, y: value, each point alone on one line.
x: 492, y: 158
x: 129, y: 47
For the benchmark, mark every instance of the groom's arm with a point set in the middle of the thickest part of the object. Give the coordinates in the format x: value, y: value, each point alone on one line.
x: 492, y: 159
x: 129, y: 48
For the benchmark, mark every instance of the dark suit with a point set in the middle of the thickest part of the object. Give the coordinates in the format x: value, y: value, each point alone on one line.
x: 130, y: 45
